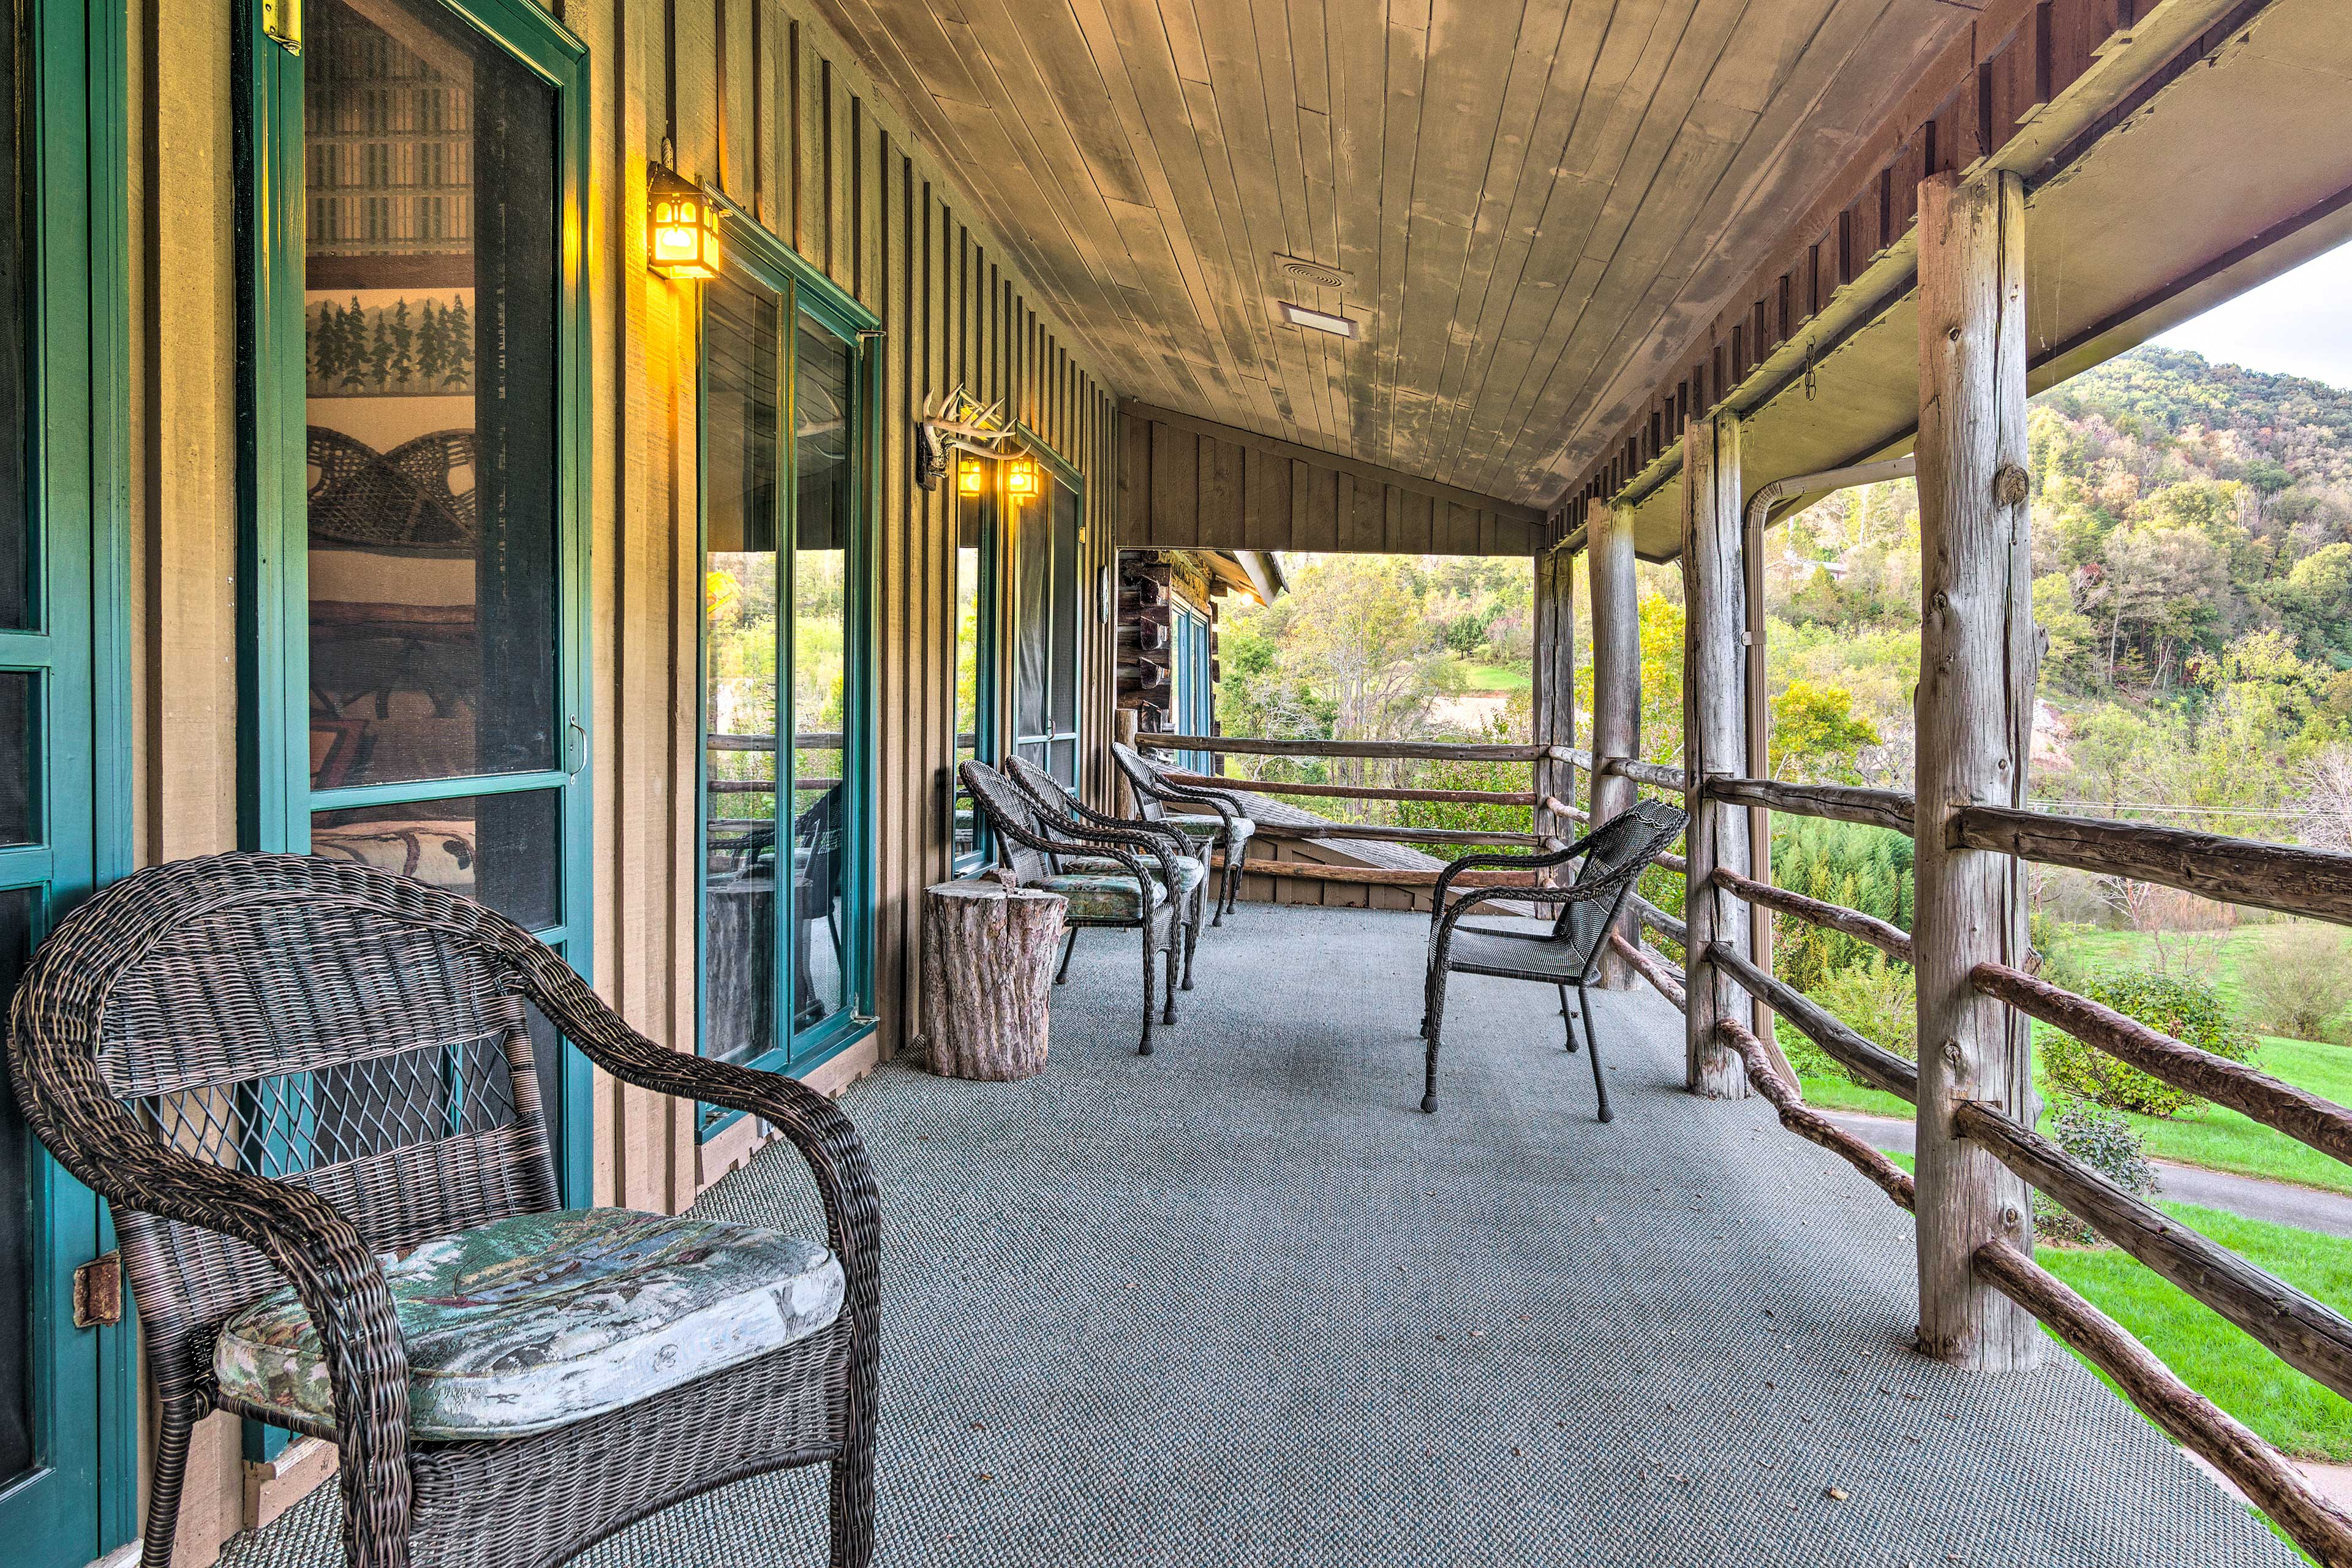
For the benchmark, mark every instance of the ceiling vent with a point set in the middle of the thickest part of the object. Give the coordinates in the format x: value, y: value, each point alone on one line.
x: 1300, y: 269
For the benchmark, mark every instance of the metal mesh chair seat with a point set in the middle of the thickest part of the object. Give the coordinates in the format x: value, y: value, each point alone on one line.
x: 1608, y: 860
x: 281, y: 1070
x: 1516, y: 955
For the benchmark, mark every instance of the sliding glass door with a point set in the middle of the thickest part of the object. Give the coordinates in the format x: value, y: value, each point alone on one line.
x: 787, y: 924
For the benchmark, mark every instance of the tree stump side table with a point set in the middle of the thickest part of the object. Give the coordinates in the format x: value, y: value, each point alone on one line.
x: 988, y: 972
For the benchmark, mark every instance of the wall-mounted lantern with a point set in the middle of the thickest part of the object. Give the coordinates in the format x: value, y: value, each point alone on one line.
x: 1021, y: 477
x: 971, y: 480
x: 681, y: 229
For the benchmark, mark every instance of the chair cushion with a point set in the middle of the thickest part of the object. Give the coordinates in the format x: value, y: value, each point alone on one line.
x: 1211, y: 825
x: 536, y: 1321
x: 1097, y: 896
x: 1189, y: 870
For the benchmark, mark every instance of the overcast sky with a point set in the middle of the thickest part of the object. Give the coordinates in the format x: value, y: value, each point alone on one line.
x: 2298, y: 324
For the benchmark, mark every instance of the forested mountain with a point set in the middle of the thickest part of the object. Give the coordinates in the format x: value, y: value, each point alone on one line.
x: 2193, y: 571
x: 2193, y: 574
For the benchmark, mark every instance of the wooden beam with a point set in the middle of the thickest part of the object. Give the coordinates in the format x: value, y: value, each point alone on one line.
x: 1650, y: 967
x: 1888, y: 808
x: 1555, y: 679
x: 1890, y: 940
x: 1377, y: 876
x: 1433, y: 751
x: 1373, y: 832
x: 1868, y: 1061
x: 1974, y: 714
x: 1616, y: 688
x: 1655, y: 775
x: 2300, y: 1114
x: 2230, y: 871
x: 2307, y: 1333
x: 1714, y: 743
x: 1807, y: 1124
x: 2189, y: 1418
x: 1361, y: 792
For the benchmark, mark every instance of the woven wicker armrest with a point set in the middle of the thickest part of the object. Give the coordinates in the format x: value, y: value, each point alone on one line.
x: 1068, y: 817
x: 1497, y: 863
x: 126, y: 1162
x: 1449, y: 916
x: 813, y: 1125
x: 1224, y: 802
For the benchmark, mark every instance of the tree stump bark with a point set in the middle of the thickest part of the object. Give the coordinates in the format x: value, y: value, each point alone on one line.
x: 988, y: 970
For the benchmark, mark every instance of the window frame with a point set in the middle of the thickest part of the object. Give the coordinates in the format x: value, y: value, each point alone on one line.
x: 805, y: 292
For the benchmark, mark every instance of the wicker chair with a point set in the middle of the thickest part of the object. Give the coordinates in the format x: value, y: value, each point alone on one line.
x: 1056, y: 805
x: 1614, y: 854
x: 1031, y: 849
x: 281, y: 1069
x: 1225, y: 827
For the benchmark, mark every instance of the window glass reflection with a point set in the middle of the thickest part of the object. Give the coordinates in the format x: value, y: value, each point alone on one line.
x: 822, y: 438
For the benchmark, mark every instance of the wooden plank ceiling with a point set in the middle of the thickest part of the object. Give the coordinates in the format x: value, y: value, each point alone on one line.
x: 1520, y: 194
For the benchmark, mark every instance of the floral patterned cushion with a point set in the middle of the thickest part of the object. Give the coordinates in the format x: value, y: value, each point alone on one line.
x: 1209, y: 826
x: 530, y: 1323
x: 1189, y: 870
x: 1100, y: 896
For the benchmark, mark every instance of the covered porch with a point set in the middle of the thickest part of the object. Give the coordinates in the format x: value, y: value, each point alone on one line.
x: 1241, y: 1303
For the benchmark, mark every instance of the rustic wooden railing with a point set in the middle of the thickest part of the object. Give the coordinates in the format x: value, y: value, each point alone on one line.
x: 2305, y: 1333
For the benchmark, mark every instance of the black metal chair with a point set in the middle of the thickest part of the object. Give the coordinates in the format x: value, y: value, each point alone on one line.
x: 1057, y: 806
x: 1613, y: 856
x: 1030, y: 848
x: 1226, y: 826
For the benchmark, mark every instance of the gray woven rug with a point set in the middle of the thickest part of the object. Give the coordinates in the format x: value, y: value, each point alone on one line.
x: 1241, y: 1303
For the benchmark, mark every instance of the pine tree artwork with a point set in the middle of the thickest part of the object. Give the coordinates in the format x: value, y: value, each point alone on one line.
x: 460, y: 323
x: 432, y: 351
x: 403, y: 337
x: 352, y: 351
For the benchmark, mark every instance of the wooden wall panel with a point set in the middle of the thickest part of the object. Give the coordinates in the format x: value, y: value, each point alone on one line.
x: 1192, y: 484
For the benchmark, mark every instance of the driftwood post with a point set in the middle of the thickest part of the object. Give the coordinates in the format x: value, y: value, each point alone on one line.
x: 1714, y: 744
x: 1616, y: 686
x: 1555, y: 680
x: 1975, y: 713
x: 988, y: 970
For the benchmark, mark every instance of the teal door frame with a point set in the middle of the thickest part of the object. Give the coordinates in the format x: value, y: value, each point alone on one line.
x: 805, y: 293
x: 81, y: 1499
x: 276, y: 798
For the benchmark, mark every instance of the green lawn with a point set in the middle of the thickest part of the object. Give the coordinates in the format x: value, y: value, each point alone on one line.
x: 2208, y: 1351
x: 2213, y: 1355
x: 2213, y: 1136
x: 1496, y: 678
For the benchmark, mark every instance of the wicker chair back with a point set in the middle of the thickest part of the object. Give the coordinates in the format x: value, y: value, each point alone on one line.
x: 323, y: 1024
x: 1143, y: 779
x: 1015, y: 815
x: 1615, y: 854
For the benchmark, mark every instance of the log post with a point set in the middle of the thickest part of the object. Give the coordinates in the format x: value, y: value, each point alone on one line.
x: 1974, y: 715
x: 1555, y: 683
x: 1757, y: 722
x: 988, y: 970
x: 1616, y: 687
x: 1124, y: 729
x: 1714, y: 744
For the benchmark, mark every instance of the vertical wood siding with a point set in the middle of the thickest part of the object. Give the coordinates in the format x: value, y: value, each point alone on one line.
x: 771, y: 108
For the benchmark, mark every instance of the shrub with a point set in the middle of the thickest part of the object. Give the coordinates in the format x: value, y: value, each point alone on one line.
x: 2186, y: 1008
x: 1876, y: 998
x: 2300, y: 981
x: 2109, y: 1145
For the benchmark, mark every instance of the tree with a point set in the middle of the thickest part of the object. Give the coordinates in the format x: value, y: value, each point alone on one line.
x: 404, y: 339
x: 1815, y: 735
x: 351, y: 350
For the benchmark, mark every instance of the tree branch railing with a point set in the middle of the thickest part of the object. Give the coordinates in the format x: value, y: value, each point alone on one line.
x: 2303, y: 1331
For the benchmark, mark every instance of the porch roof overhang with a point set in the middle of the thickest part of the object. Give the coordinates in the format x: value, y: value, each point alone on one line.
x: 1545, y: 223
x: 2197, y: 165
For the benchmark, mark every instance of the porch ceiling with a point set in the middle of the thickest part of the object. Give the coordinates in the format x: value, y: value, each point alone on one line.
x: 1520, y: 195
